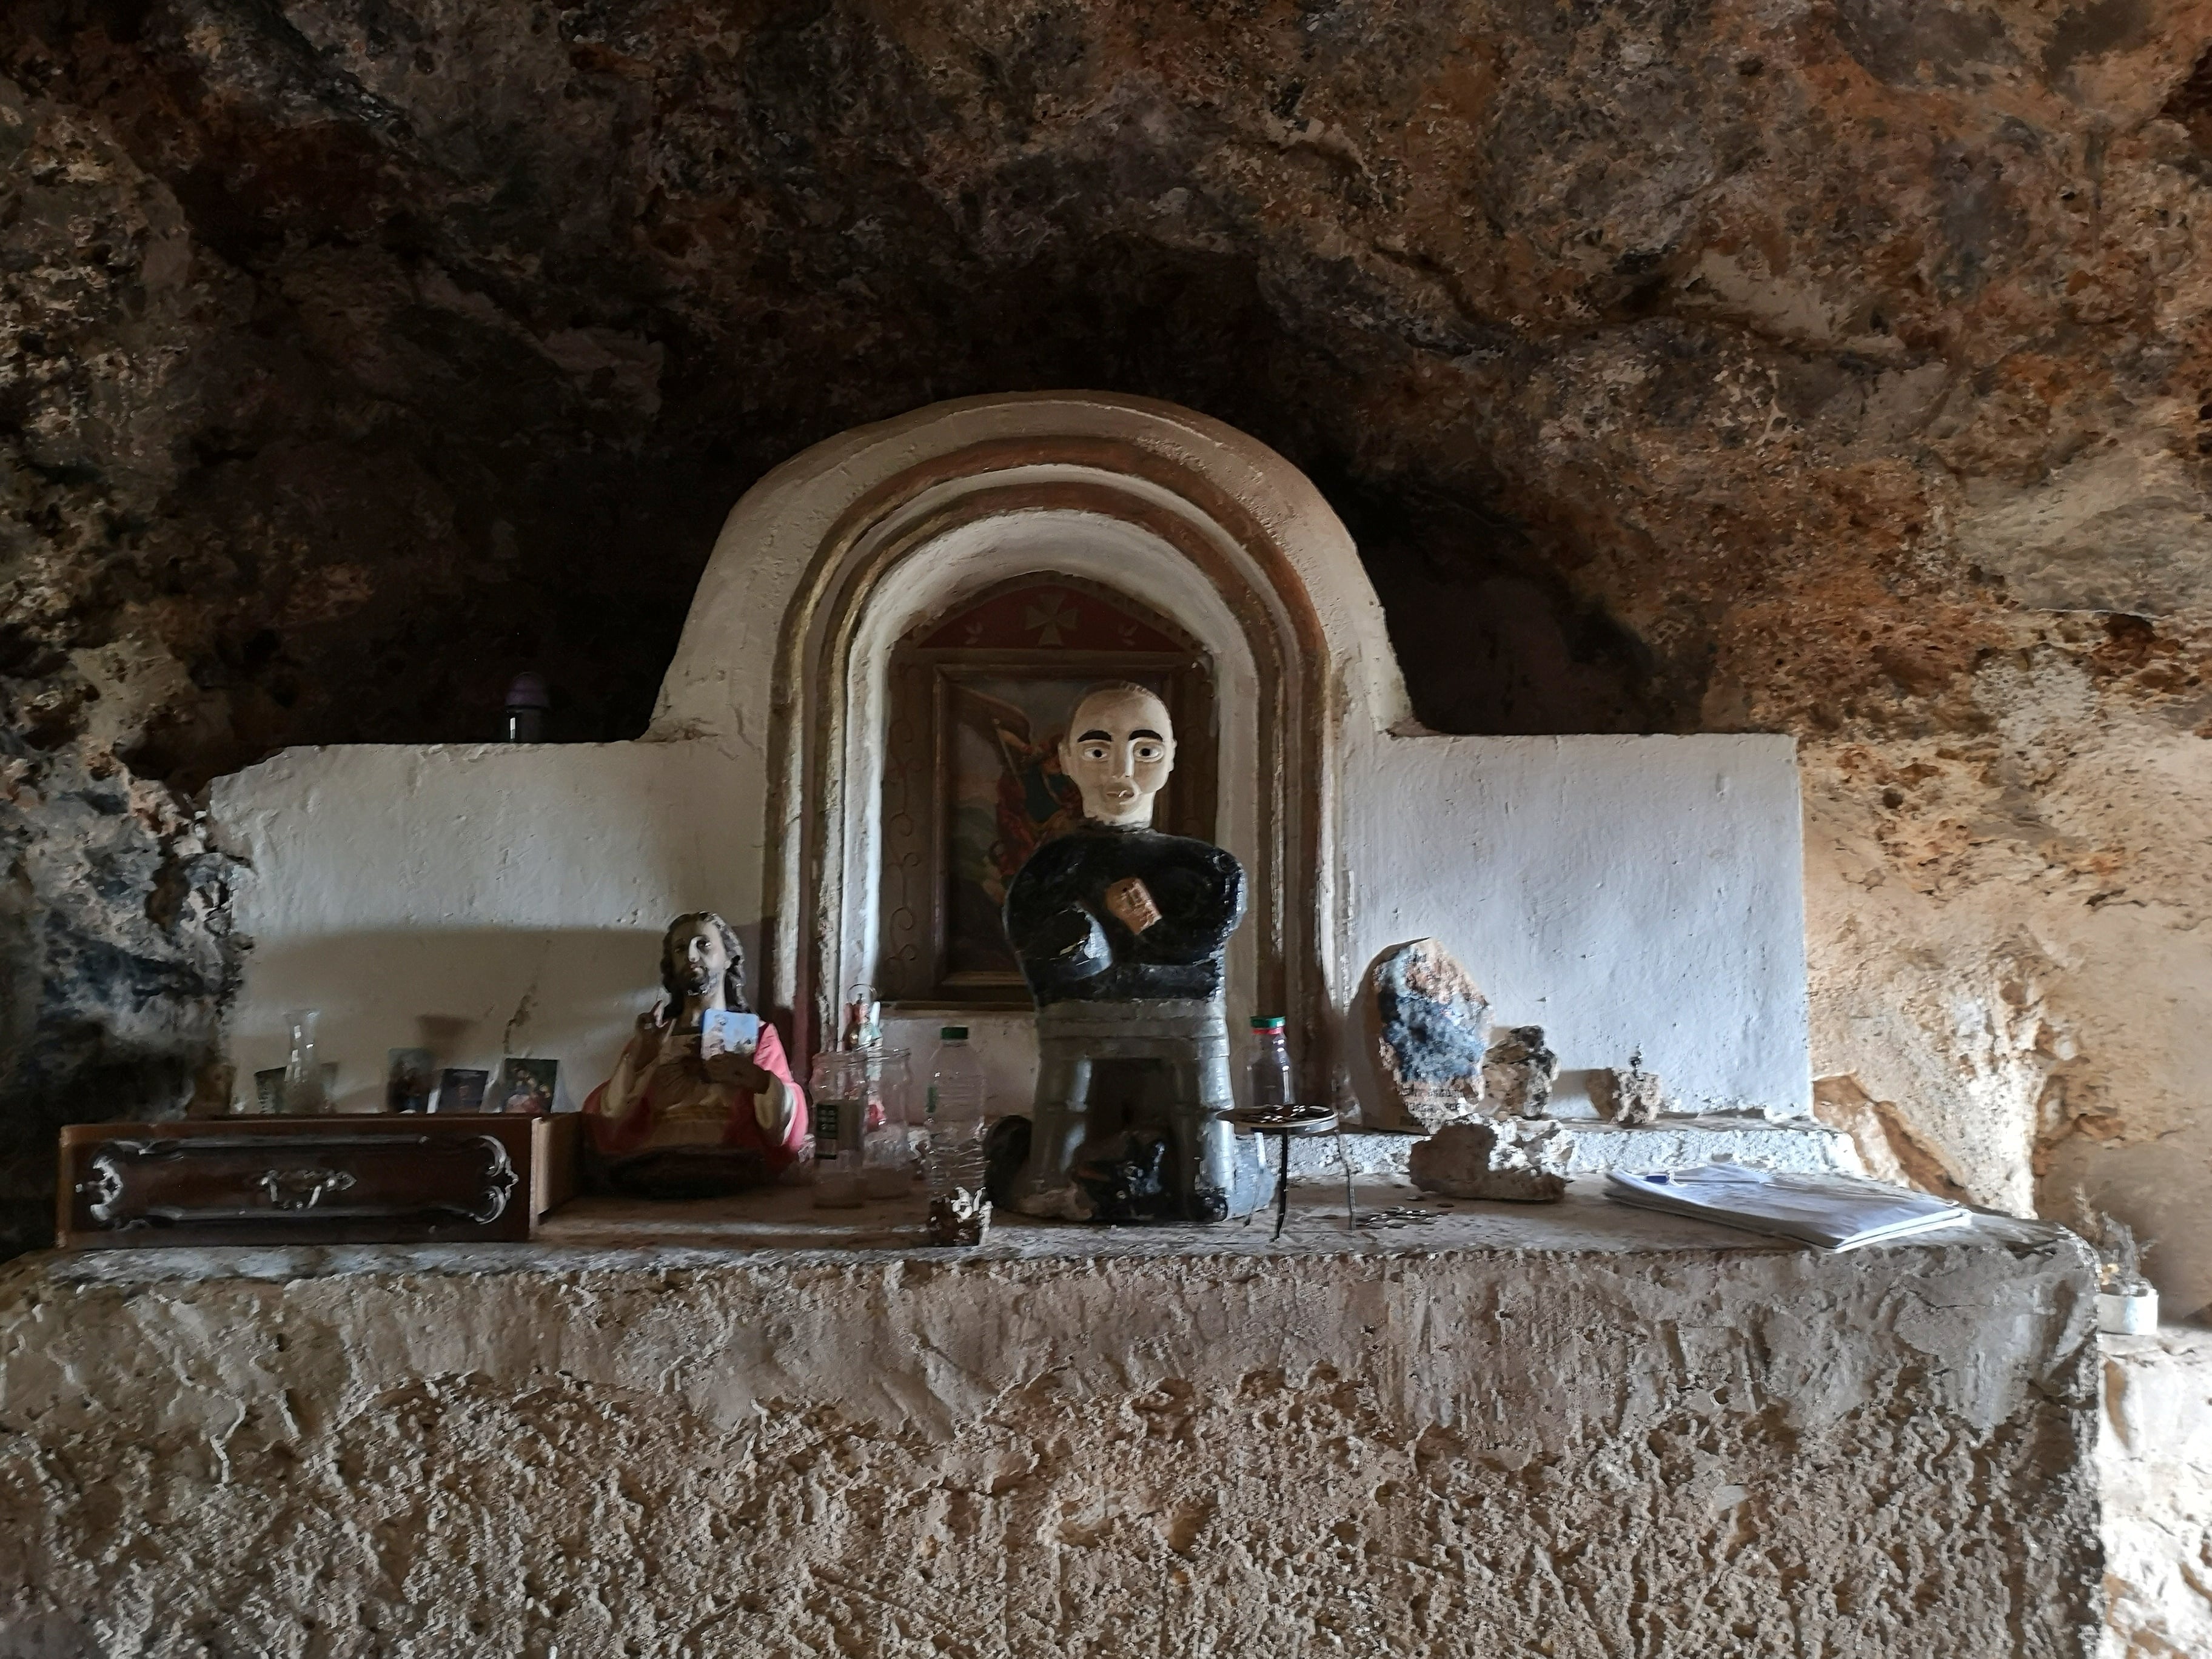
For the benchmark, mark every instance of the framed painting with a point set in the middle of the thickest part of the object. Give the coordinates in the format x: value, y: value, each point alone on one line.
x: 978, y: 703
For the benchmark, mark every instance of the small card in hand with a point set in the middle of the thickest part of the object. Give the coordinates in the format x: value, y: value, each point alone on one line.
x: 725, y: 1031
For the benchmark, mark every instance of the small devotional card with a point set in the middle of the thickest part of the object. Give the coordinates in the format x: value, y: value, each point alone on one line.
x: 726, y: 1032
x: 526, y: 1086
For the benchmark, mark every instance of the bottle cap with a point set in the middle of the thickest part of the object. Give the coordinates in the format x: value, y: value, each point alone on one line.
x: 1267, y: 1022
x: 954, y: 1033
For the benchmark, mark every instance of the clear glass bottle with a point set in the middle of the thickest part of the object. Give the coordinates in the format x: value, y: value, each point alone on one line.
x: 954, y: 1161
x: 1268, y: 1071
x: 837, y: 1102
x: 305, y: 1092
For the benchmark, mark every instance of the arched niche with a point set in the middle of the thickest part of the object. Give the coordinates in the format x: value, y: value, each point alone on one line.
x: 847, y: 548
x: 974, y: 713
x: 1628, y: 893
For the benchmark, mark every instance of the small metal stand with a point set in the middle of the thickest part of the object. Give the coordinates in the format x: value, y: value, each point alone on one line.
x: 1283, y: 1123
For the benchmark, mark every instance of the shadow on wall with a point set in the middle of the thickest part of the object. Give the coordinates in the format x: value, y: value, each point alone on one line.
x: 1491, y: 640
x: 2158, y: 1187
x: 472, y: 996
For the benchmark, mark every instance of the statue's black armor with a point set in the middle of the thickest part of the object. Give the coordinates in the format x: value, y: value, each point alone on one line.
x: 1072, y: 948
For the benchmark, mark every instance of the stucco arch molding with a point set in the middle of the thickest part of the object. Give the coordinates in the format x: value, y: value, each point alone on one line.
x: 831, y: 556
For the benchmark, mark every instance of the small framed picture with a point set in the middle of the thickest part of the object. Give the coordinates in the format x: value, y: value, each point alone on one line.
x: 527, y: 1085
x: 461, y: 1089
x: 407, y: 1078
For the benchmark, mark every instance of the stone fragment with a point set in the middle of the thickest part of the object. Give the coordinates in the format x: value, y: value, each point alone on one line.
x: 1466, y: 1160
x: 960, y: 1216
x: 1637, y: 1097
x: 1432, y: 1028
x: 1518, y: 1072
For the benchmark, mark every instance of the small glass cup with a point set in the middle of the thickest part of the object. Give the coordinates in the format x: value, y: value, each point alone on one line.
x: 306, y: 1092
x: 887, y: 1156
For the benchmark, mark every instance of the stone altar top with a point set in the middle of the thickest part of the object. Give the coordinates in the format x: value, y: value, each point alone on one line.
x: 595, y: 1235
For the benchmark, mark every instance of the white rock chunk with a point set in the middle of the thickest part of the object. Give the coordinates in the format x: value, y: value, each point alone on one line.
x: 1466, y: 1160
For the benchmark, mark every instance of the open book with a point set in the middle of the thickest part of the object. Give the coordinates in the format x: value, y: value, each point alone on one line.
x: 1836, y: 1211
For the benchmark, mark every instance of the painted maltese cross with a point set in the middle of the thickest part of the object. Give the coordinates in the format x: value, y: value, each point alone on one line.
x: 1049, y: 619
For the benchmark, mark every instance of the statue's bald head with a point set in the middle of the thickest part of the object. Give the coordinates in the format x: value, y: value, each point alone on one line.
x: 1119, y: 749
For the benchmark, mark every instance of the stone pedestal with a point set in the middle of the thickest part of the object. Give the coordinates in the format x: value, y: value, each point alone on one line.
x: 1583, y: 1431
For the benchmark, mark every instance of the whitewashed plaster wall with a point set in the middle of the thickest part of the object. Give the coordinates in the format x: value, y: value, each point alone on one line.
x: 1624, y: 893
x: 479, y: 901
x: 722, y: 678
x: 1621, y: 892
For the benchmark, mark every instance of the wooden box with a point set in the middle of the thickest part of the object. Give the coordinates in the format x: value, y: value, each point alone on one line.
x: 385, y: 1179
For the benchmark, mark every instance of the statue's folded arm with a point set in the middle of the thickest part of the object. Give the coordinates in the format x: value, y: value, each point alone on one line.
x: 1058, y: 945
x: 1199, y: 907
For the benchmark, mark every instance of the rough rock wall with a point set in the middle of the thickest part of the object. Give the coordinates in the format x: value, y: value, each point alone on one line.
x: 2155, y: 1487
x: 1534, y: 1446
x: 1839, y: 369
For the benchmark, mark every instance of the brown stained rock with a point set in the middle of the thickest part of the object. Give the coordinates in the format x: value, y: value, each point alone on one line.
x: 1431, y: 1031
x: 1518, y: 1072
x: 1466, y: 1160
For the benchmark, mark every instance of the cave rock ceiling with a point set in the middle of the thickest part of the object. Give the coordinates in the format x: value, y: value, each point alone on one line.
x: 1833, y: 369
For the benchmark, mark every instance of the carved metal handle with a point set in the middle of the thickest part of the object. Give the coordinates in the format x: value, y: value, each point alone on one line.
x: 301, y: 1189
x: 101, y: 1188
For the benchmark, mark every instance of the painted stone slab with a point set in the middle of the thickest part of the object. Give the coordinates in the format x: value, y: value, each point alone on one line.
x: 1432, y: 1030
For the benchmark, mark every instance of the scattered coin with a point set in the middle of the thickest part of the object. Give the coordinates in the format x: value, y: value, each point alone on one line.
x: 1409, y: 1215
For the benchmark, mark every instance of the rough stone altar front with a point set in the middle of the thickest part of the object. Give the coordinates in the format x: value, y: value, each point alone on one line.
x: 1584, y: 1433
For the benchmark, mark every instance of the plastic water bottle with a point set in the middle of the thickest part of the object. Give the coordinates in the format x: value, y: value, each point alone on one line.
x: 954, y: 1163
x: 1269, y: 1068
